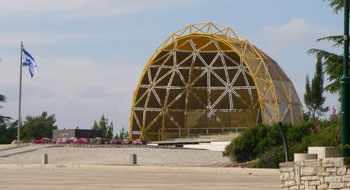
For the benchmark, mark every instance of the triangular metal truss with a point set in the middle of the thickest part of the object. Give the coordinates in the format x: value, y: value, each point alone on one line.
x: 205, y: 78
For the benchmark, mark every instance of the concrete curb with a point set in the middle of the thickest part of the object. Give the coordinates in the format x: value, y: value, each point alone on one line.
x: 206, y: 170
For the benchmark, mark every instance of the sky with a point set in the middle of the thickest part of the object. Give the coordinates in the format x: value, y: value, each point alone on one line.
x: 90, y: 54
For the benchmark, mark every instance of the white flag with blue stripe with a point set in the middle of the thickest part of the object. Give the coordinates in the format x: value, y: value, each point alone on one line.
x: 29, y: 61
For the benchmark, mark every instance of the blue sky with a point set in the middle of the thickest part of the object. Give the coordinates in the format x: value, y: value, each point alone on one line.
x: 90, y: 53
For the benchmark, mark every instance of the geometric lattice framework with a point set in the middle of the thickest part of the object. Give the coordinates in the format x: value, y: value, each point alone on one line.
x: 206, y: 78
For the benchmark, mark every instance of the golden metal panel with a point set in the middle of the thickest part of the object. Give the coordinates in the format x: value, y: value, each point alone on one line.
x: 205, y: 78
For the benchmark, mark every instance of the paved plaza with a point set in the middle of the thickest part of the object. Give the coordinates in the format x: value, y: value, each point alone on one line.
x: 32, y: 154
x: 109, y: 168
x: 76, y: 179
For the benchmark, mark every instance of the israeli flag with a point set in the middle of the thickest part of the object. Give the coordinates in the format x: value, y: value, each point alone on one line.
x: 29, y: 61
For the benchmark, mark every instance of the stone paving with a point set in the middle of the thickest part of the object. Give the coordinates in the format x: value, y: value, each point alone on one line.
x: 108, y: 168
x: 79, y: 179
x: 32, y: 154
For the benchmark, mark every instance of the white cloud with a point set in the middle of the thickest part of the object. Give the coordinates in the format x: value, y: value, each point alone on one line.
x: 289, y: 43
x: 43, y: 38
x: 80, y: 8
x: 297, y: 33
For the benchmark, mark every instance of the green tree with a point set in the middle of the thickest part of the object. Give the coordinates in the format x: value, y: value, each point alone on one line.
x: 333, y: 62
x: 7, y: 131
x: 333, y: 67
x: 2, y: 99
x: 3, y: 134
x: 104, y: 126
x: 123, y: 134
x: 38, y: 127
x: 126, y: 135
x: 337, y: 5
x: 3, y: 119
x: 313, y: 97
x: 109, y: 134
x: 95, y: 126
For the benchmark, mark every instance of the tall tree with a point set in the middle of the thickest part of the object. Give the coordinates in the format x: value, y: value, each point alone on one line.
x: 123, y: 134
x: 333, y: 62
x: 95, y: 126
x: 39, y: 126
x: 3, y: 119
x: 337, y: 5
x: 109, y: 134
x: 7, y: 131
x: 333, y: 67
x: 313, y: 97
x: 104, y: 126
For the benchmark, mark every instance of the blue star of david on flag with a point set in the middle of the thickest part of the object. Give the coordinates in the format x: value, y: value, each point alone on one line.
x: 29, y: 61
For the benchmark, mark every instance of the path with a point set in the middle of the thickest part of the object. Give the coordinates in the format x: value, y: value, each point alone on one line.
x: 80, y: 179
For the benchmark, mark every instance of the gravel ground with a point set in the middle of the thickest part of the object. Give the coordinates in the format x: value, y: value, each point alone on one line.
x: 32, y: 154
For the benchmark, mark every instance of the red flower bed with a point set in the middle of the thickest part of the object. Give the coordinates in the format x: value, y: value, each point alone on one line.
x: 97, y: 140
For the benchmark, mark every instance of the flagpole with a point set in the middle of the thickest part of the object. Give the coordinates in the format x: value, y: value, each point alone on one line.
x: 20, y: 96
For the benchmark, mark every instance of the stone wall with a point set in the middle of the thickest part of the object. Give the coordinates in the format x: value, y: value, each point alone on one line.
x: 327, y: 173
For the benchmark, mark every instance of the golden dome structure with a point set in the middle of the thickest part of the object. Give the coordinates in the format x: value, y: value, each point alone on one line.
x: 206, y: 78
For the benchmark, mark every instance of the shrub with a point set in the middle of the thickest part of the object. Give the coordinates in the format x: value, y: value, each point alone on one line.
x: 252, y: 142
x: 265, y: 142
x: 276, y: 155
x: 241, y: 149
x: 295, y: 134
x: 299, y: 140
x: 271, y: 158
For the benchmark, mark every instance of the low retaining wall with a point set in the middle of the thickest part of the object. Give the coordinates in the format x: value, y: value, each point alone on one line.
x: 327, y: 173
